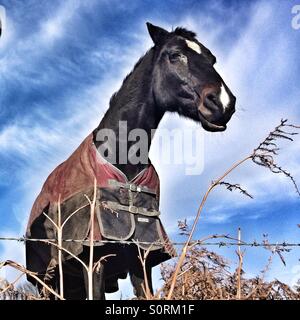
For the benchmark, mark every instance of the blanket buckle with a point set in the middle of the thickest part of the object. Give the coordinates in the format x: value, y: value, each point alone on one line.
x: 134, y: 188
x: 133, y: 209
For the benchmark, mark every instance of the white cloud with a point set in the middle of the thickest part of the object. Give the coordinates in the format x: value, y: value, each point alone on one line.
x: 54, y: 28
x: 18, y: 55
x: 25, y: 140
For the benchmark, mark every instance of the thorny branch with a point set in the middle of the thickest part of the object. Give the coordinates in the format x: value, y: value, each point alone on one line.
x: 264, y: 154
x: 234, y: 187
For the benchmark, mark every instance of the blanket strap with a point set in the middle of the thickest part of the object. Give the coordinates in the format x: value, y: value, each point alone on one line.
x: 132, y: 209
x: 130, y: 186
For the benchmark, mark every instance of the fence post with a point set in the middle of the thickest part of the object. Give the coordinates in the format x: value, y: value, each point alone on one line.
x: 239, y: 269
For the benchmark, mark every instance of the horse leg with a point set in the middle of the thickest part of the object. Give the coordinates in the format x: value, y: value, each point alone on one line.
x: 98, y: 283
x: 74, y: 287
x: 73, y: 282
x: 137, y: 278
x: 43, y: 292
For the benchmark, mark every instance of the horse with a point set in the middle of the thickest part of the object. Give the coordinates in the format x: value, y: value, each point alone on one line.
x: 176, y: 75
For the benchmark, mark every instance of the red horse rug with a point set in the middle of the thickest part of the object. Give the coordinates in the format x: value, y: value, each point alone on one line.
x: 125, y: 210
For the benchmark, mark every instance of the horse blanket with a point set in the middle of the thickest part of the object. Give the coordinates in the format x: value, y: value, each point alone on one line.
x: 125, y: 210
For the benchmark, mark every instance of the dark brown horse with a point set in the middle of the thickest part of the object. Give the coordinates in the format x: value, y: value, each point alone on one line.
x: 176, y: 75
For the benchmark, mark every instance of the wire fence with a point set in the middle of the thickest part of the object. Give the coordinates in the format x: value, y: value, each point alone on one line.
x: 195, y: 242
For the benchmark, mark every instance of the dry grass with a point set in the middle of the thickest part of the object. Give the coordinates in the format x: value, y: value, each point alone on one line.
x: 9, y: 291
x: 206, y: 275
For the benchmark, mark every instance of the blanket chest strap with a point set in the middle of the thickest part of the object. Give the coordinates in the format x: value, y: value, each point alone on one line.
x: 132, y: 209
x: 130, y: 186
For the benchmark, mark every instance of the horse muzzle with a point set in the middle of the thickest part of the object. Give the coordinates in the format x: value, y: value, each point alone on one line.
x: 216, y: 109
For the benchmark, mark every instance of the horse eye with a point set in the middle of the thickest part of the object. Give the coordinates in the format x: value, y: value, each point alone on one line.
x: 177, y: 56
x: 174, y: 56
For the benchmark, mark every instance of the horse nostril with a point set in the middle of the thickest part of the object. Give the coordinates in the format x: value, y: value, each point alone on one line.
x: 211, y: 100
x: 212, y: 97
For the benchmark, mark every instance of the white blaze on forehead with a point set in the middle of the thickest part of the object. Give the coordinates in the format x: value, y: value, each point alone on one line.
x: 224, y: 97
x: 194, y: 46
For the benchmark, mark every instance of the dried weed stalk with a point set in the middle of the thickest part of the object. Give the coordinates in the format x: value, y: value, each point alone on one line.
x: 206, y: 275
x: 263, y: 155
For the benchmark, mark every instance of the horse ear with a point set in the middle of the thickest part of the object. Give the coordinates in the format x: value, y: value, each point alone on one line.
x: 157, y: 34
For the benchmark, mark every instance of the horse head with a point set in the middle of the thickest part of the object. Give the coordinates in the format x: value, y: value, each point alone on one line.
x: 185, y: 81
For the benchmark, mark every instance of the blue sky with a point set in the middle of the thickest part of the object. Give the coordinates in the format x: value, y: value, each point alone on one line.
x: 60, y: 61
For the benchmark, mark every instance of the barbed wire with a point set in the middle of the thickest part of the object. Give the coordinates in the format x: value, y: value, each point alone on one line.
x: 128, y: 242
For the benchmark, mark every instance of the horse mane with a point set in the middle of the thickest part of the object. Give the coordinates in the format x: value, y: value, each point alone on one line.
x: 114, y: 96
x: 190, y: 35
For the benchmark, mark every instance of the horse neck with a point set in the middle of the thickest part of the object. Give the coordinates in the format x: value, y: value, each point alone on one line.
x: 133, y: 103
